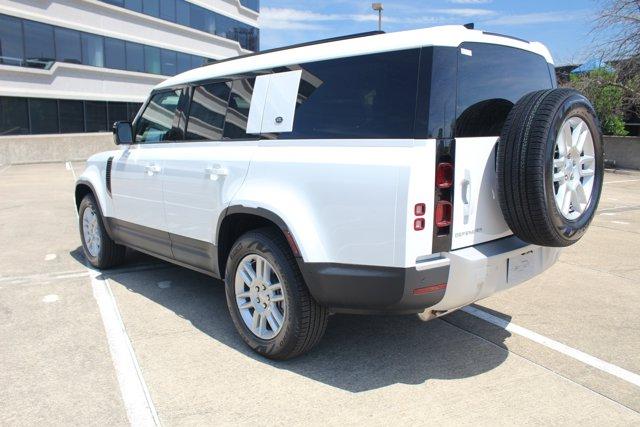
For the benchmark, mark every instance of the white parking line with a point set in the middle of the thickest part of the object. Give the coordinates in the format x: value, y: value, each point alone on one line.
x: 135, y: 394
x: 592, y: 361
x: 621, y: 181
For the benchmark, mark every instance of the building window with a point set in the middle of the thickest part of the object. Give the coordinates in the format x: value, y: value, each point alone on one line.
x: 95, y: 113
x: 44, y: 115
x: 11, y: 43
x: 68, y: 48
x: 135, y: 5
x: 194, y: 16
x: 152, y: 60
x: 169, y: 62
x: 132, y: 110
x: 38, y: 44
x: 135, y: 57
x: 92, y: 50
x: 44, y: 44
x: 184, y: 62
x: 117, y: 111
x: 14, y: 116
x: 71, y: 116
x: 114, y: 54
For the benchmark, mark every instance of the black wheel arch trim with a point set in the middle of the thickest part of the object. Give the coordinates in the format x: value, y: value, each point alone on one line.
x: 87, y: 183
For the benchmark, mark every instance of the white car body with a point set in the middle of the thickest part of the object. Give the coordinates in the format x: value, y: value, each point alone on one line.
x: 348, y: 205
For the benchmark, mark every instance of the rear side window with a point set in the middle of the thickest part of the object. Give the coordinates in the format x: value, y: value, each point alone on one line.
x: 235, y: 126
x: 491, y: 79
x: 208, y: 108
x: 368, y: 96
x: 156, y: 123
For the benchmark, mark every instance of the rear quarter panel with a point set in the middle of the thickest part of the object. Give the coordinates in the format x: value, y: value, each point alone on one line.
x: 345, y: 201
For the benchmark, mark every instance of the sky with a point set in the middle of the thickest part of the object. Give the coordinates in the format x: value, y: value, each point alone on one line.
x: 564, y: 26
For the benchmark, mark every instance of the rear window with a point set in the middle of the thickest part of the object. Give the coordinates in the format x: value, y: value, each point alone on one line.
x: 368, y: 96
x: 491, y: 79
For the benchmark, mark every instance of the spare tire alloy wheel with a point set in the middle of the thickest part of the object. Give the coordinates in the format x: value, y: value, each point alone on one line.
x: 573, y: 164
x: 259, y: 296
x: 550, y: 167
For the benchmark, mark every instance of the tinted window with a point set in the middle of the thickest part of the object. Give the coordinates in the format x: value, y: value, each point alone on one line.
x: 68, y: 45
x: 71, y: 116
x: 44, y: 115
x: 235, y: 126
x: 133, y: 5
x: 168, y: 10
x: 197, y: 61
x: 135, y: 57
x: 207, y: 112
x: 370, y: 96
x: 92, y: 50
x: 151, y: 7
x: 168, y: 62
x: 38, y: 44
x: 183, y: 13
x: 491, y: 79
x: 152, y: 59
x: 10, y: 41
x: 156, y: 122
x: 14, y: 116
x: 96, y: 116
x: 114, y: 54
x: 117, y: 111
x: 184, y: 62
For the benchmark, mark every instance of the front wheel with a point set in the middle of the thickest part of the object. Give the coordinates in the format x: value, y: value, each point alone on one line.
x: 99, y: 249
x: 268, y: 300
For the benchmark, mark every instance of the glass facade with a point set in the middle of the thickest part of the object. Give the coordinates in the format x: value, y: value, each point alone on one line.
x: 190, y: 15
x: 23, y: 116
x: 34, y: 44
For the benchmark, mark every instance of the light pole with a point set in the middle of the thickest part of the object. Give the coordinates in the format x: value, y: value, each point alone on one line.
x: 379, y: 8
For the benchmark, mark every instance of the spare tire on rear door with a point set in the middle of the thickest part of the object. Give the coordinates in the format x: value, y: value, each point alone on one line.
x: 550, y: 167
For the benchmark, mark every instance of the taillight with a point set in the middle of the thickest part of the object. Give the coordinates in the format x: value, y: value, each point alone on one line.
x: 443, y: 215
x: 418, y: 224
x: 444, y: 175
x: 420, y: 209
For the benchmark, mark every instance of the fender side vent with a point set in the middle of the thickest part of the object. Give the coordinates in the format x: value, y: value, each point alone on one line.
x: 108, y: 174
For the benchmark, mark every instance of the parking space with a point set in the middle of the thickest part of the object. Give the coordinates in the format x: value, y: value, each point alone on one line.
x: 60, y: 364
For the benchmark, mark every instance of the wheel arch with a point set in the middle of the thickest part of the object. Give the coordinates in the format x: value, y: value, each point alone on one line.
x: 238, y: 220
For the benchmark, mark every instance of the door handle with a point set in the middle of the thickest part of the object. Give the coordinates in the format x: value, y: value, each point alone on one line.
x: 466, y: 196
x: 152, y: 169
x: 215, y: 172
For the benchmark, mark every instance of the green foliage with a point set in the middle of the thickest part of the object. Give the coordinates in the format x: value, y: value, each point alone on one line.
x: 603, y: 89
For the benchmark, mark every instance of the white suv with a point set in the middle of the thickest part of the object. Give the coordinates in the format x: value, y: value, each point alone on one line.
x: 409, y: 172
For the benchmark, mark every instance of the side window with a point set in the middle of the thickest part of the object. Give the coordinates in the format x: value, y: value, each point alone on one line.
x: 491, y: 79
x: 207, y: 112
x: 368, y: 96
x: 156, y: 123
x: 235, y: 125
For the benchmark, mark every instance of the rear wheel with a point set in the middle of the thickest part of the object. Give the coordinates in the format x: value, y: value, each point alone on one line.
x: 268, y: 300
x: 99, y: 249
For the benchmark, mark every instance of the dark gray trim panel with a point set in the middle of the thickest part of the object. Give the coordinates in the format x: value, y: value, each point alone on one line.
x: 347, y: 288
x: 196, y: 253
x: 139, y: 237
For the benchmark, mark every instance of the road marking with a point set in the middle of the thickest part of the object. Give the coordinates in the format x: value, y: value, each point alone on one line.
x: 135, y: 393
x: 620, y: 222
x: 50, y: 298
x: 50, y: 257
x: 621, y: 181
x: 592, y: 361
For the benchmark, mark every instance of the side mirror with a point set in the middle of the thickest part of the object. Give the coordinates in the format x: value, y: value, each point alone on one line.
x: 122, y: 133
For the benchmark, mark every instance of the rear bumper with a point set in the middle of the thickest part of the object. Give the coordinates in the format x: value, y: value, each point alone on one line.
x: 470, y: 274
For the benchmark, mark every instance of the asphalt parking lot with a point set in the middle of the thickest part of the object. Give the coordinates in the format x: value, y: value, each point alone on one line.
x: 151, y: 343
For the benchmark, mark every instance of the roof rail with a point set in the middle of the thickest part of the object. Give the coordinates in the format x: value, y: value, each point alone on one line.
x: 293, y: 46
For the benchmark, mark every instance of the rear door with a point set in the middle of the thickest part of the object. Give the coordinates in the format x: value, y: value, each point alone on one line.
x: 491, y: 79
x: 205, y: 170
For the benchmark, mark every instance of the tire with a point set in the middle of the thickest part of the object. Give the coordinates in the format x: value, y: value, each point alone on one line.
x: 108, y: 254
x: 549, y: 198
x: 304, y: 320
